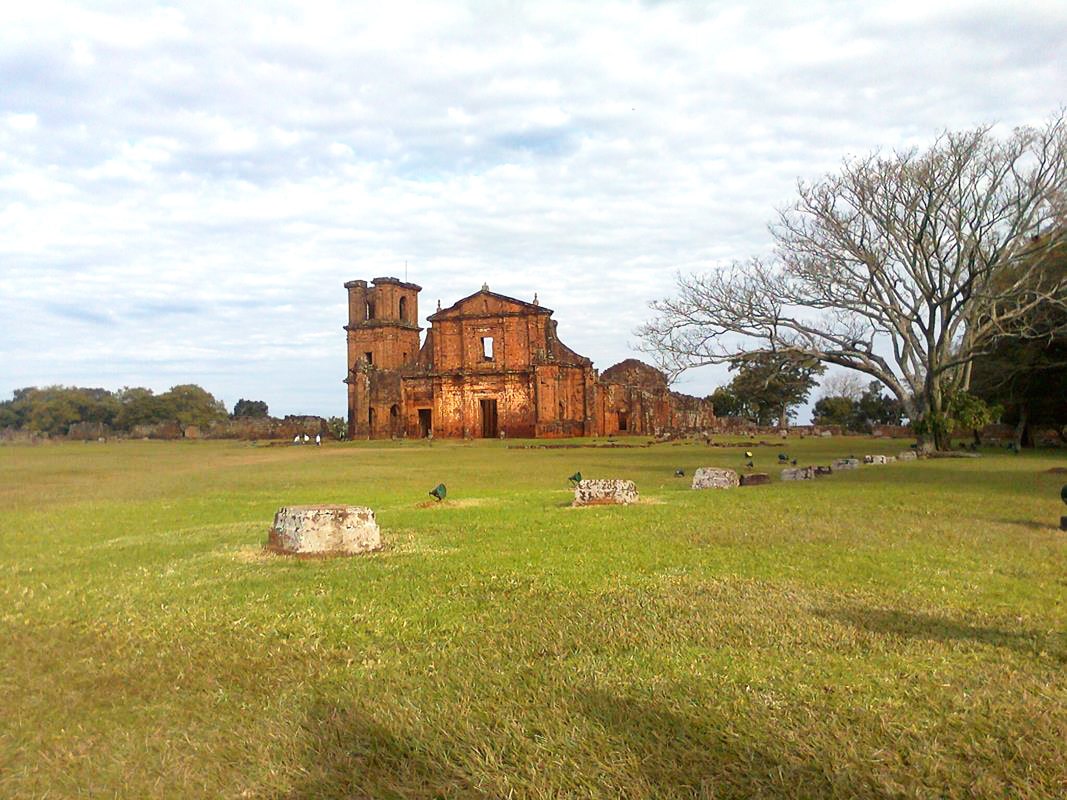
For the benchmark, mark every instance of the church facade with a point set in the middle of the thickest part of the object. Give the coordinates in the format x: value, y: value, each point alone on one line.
x: 491, y: 366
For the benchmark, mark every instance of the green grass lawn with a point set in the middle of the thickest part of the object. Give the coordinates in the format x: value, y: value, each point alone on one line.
x: 897, y: 631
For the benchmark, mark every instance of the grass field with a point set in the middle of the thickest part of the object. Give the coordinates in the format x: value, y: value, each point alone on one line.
x: 898, y: 631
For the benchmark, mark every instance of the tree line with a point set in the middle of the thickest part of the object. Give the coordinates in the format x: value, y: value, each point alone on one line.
x: 55, y: 409
x: 768, y: 388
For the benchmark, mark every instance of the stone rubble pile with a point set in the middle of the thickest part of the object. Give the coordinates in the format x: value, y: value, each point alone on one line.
x: 845, y: 463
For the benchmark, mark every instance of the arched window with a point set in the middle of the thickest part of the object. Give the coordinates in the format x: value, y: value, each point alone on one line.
x: 368, y: 310
x: 403, y: 309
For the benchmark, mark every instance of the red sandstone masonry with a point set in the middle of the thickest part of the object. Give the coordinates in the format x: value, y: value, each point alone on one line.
x: 491, y: 366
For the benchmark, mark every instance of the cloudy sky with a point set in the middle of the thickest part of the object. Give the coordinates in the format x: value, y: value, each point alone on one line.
x: 185, y: 187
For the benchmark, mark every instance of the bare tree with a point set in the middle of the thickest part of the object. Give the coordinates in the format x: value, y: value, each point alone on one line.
x: 842, y: 384
x: 903, y: 266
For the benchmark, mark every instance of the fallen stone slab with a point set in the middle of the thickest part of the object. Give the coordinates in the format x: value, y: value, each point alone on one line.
x: 755, y: 479
x: 798, y: 474
x: 604, y: 492
x: 822, y: 472
x: 845, y: 463
x: 907, y: 455
x: 324, y: 530
x: 715, y: 478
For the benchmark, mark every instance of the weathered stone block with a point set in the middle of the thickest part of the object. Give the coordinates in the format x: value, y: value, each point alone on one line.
x: 877, y: 459
x: 907, y: 455
x: 324, y: 530
x: 822, y: 472
x: 715, y: 478
x: 604, y: 492
x: 755, y: 479
x: 845, y: 463
x: 798, y: 474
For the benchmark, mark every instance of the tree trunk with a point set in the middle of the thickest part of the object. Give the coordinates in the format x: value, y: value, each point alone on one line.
x: 941, y: 437
x: 1020, y: 427
x: 783, y: 419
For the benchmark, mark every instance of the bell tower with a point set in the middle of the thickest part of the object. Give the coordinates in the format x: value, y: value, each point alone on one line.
x: 383, y: 336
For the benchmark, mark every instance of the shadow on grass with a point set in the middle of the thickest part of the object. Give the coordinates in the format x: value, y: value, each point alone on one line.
x: 918, y: 625
x: 653, y: 751
x: 674, y: 755
x: 350, y: 756
x: 1031, y: 524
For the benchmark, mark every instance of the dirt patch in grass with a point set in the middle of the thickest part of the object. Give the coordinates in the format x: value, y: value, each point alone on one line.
x: 464, y: 502
x: 251, y: 554
x: 643, y: 501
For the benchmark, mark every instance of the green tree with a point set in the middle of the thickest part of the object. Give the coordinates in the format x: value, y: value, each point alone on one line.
x: 9, y: 418
x: 336, y: 426
x: 726, y: 403
x: 53, y: 409
x: 962, y: 411
x: 876, y: 408
x: 94, y: 405
x: 249, y: 408
x: 834, y: 411
x: 14, y: 412
x: 770, y: 385
x: 1028, y: 377
x: 194, y: 405
x: 140, y: 406
x: 52, y: 412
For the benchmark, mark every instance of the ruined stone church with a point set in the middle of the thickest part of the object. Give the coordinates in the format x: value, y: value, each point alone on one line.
x: 491, y: 366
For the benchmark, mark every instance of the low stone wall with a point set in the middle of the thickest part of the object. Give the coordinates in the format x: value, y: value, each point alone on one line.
x: 245, y: 428
x: 798, y: 474
x: 893, y: 431
x: 755, y: 479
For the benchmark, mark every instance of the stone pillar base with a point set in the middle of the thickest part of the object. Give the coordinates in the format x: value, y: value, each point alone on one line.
x: 604, y: 492
x: 324, y: 530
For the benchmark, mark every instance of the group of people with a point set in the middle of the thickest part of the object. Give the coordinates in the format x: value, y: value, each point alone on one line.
x: 306, y: 439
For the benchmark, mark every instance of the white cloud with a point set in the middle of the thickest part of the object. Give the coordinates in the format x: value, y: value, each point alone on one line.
x: 184, y: 189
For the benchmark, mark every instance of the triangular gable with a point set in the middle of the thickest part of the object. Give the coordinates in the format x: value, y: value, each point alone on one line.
x: 488, y: 303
